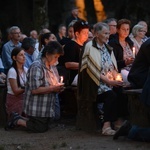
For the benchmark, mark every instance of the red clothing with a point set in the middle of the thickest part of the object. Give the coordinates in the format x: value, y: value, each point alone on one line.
x: 14, y: 104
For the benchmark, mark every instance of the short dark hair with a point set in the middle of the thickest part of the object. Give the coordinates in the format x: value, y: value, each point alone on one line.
x: 27, y: 43
x: 79, y: 25
x: 123, y: 21
x: 53, y: 47
x: 108, y: 20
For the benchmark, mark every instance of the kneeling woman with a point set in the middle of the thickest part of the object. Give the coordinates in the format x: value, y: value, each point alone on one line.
x: 16, y: 80
x: 41, y: 89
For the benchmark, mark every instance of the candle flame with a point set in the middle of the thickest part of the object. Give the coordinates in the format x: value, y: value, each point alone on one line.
x: 133, y: 52
x: 118, y: 77
x: 61, y: 79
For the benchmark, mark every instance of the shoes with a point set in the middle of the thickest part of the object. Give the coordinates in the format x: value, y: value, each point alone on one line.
x: 13, y: 120
x: 123, y: 130
x: 108, y: 131
x: 116, y: 127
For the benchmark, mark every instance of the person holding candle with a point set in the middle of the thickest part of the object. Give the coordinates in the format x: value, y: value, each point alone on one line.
x: 123, y: 51
x: 139, y: 77
x: 122, y: 44
x: 97, y: 72
x: 72, y: 51
x: 138, y: 32
x: 41, y: 89
x: 123, y: 48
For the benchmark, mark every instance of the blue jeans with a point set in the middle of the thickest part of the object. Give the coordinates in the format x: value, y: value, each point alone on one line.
x: 139, y: 133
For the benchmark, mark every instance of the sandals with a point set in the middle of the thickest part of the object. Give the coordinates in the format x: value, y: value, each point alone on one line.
x: 13, y: 121
x: 108, y: 131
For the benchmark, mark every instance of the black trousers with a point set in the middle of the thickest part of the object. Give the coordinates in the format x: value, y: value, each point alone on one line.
x: 109, y: 100
x: 37, y: 124
x: 122, y: 103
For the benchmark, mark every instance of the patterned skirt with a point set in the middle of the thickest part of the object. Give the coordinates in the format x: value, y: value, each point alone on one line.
x: 14, y: 104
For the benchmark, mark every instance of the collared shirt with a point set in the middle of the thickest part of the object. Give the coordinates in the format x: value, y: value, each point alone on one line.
x: 29, y: 60
x: 6, y: 53
x: 106, y: 67
x: 39, y: 105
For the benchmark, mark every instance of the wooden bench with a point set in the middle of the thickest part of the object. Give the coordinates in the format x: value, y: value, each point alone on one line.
x: 138, y: 111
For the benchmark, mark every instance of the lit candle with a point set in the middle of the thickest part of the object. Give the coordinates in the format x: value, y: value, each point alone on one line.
x: 61, y: 79
x: 133, y: 52
x: 118, y: 77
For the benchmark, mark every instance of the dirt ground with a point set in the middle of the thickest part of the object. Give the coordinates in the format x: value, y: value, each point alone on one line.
x: 64, y: 136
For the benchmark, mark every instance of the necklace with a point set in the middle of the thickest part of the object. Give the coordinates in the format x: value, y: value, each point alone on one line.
x: 123, y: 44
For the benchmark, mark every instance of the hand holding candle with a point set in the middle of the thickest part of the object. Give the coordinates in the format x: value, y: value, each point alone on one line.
x: 133, y: 52
x: 61, y: 79
x: 118, y: 77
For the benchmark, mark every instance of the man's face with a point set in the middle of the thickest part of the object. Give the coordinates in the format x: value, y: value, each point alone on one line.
x: 63, y: 31
x: 75, y: 12
x: 113, y: 27
x: 15, y: 35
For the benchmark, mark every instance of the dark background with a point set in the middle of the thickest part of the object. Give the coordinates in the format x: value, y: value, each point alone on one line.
x: 36, y: 14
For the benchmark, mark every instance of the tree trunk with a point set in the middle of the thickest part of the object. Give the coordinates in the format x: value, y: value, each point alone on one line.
x: 90, y: 11
x: 40, y: 14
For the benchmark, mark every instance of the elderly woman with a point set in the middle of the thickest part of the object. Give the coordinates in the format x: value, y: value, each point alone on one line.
x: 138, y: 32
x: 41, y: 89
x: 97, y: 72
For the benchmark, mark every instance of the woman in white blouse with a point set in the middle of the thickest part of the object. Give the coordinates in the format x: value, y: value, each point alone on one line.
x: 16, y: 80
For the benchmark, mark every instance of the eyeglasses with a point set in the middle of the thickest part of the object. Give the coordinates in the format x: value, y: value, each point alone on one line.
x: 16, y: 33
x: 113, y: 25
x: 142, y: 31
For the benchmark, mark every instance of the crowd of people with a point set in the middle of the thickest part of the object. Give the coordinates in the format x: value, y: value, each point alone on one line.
x: 100, y: 60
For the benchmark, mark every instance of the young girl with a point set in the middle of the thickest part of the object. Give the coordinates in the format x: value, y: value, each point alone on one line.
x: 16, y: 79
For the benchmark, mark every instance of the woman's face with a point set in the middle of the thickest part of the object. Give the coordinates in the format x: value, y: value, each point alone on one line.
x: 82, y: 36
x: 20, y: 58
x: 71, y: 33
x: 103, y: 35
x: 51, y: 38
x: 52, y: 59
x: 124, y: 30
x: 141, y: 33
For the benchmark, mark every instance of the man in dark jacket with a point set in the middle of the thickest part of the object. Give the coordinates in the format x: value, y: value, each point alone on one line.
x: 139, y: 77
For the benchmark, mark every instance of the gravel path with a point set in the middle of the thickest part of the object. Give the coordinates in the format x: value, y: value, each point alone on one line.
x: 64, y: 136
